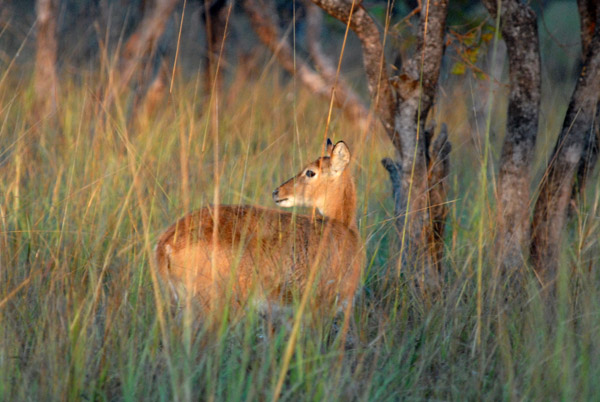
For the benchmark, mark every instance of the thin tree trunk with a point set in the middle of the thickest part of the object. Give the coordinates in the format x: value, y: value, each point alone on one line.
x: 422, y: 71
x: 214, y: 16
x: 265, y: 24
x: 144, y: 40
x: 156, y: 92
x: 418, y: 175
x: 46, y: 79
x: 519, y: 30
x: 588, y: 10
x: 589, y: 159
x: 556, y: 187
x: 439, y: 168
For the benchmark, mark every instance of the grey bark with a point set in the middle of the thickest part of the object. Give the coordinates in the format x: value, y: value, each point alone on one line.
x: 588, y: 11
x: 421, y: 71
x: 439, y: 167
x: 519, y: 30
x: 265, y: 23
x: 556, y: 188
x: 418, y: 175
x: 45, y: 76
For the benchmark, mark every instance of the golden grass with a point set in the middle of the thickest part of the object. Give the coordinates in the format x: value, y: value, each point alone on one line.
x: 85, y: 193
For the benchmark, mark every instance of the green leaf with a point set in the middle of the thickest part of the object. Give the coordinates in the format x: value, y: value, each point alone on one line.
x: 458, y: 68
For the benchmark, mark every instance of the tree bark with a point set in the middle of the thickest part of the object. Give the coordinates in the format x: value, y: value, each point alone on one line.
x: 418, y: 175
x: 439, y: 168
x: 519, y: 30
x: 265, y: 23
x: 214, y: 17
x: 556, y: 187
x: 588, y: 11
x: 45, y: 78
x: 421, y: 73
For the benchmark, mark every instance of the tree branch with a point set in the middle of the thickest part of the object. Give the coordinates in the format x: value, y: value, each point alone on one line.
x: 352, y: 103
x: 265, y: 24
x: 425, y: 63
x: 373, y: 58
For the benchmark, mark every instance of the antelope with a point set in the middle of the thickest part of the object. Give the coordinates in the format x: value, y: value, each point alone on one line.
x: 238, y: 252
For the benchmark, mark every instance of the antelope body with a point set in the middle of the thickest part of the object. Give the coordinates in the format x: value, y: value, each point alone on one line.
x: 237, y: 252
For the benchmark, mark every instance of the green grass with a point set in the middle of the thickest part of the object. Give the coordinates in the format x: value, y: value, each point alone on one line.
x: 82, y: 317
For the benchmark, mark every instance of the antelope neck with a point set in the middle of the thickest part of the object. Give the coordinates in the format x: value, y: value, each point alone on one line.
x: 342, y: 208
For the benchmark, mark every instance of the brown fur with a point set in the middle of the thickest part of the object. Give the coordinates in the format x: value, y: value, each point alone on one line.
x: 268, y: 254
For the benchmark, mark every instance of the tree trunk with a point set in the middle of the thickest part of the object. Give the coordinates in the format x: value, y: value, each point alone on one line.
x: 422, y: 70
x: 589, y: 159
x: 556, y: 187
x: 418, y: 175
x: 265, y: 24
x: 46, y: 79
x: 588, y: 11
x: 214, y: 17
x: 145, y: 38
x: 519, y: 30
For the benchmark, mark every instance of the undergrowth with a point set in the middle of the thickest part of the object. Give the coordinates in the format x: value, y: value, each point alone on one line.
x: 85, y: 192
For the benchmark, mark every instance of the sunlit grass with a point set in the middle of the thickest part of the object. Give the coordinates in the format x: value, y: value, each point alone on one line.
x: 85, y: 193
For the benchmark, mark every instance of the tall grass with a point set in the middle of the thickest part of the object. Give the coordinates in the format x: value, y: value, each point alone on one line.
x: 85, y: 193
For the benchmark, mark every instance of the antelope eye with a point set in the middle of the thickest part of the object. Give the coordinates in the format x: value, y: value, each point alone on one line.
x: 310, y: 173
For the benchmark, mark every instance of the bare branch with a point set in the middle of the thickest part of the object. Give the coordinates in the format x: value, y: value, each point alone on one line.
x: 373, y: 58
x: 352, y: 103
x: 265, y: 24
x: 314, y: 23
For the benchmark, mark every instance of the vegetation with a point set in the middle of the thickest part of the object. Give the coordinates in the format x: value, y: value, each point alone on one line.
x: 85, y: 192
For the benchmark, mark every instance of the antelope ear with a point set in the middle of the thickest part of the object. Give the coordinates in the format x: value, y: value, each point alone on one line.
x: 340, y: 158
x: 328, y: 147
